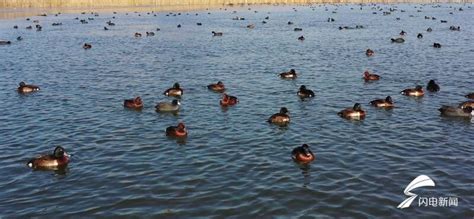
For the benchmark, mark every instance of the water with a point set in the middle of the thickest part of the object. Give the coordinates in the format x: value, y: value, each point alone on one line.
x: 233, y: 163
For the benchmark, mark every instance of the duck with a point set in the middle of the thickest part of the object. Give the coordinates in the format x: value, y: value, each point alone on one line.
x: 138, y: 35
x: 429, y: 29
x: 466, y: 104
x: 217, y: 33
x: 87, y: 46
x: 402, y: 33
x: 175, y: 91
x: 5, y: 42
x: 398, y: 40
x: 370, y: 77
x: 289, y: 75
x: 436, y: 45
x: 354, y: 113
x: 451, y: 111
x: 298, y: 29
x: 419, y: 36
x: 59, y: 158
x: 228, y: 100
x: 19, y: 38
x: 251, y: 26
x: 369, y: 52
x: 383, y: 103
x: 432, y: 86
x: 199, y: 24
x: 305, y: 93
x: 301, y: 38
x: 414, y: 92
x: 150, y: 34
x: 105, y: 28
x: 178, y: 131
x: 290, y: 23
x: 302, y: 154
x: 470, y: 96
x: 27, y: 88
x: 179, y: 26
x: 218, y: 87
x: 135, y: 103
x: 282, y: 118
x: 168, y: 107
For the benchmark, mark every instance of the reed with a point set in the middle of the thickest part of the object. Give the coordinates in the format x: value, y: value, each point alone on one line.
x: 165, y: 3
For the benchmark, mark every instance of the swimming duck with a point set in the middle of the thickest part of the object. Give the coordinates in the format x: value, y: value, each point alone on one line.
x: 199, y: 24
x: 87, y: 46
x: 305, y: 93
x: 370, y: 77
x: 179, y: 26
x: 451, y: 111
x: 290, y: 23
x: 27, y: 88
x: 228, y: 100
x: 414, y: 92
x: 177, y: 131
x: 150, y: 34
x: 402, y: 33
x: 470, y: 96
x: 289, y: 75
x: 429, y: 29
x: 436, y: 45
x: 175, y: 91
x: 251, y: 26
x: 138, y: 35
x: 302, y: 154
x: 282, y: 118
x: 369, y: 52
x: 59, y: 158
x: 419, y: 36
x: 105, y: 28
x: 398, y: 40
x: 135, y: 103
x: 355, y: 113
x: 301, y: 38
x: 19, y: 38
x: 298, y: 29
x: 432, y: 86
x: 5, y: 42
x: 383, y: 103
x: 217, y: 33
x: 218, y: 87
x: 466, y: 104
x: 168, y: 107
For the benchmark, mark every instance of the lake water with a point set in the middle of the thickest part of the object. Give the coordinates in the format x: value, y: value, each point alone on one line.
x: 233, y: 162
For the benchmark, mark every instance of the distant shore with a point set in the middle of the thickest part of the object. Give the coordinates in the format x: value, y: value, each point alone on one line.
x: 10, y: 9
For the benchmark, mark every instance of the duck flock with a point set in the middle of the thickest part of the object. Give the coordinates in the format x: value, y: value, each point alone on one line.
x: 301, y: 154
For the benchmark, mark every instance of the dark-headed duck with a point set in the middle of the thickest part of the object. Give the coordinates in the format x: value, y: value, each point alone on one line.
x: 432, y: 86
x: 398, y: 40
x: 301, y: 38
x: 168, y: 107
x: 289, y: 75
x: 27, y: 88
x: 217, y: 33
x: 282, y: 118
x: 370, y: 77
x: 87, y: 46
x: 302, y: 154
x: 59, y: 158
x: 369, y: 52
x: 175, y: 91
x: 138, y: 35
x: 414, y: 92
x: 383, y: 103
x: 218, y: 87
x: 228, y: 100
x: 419, y: 36
x: 355, y: 113
x: 436, y: 45
x: 135, y: 103
x: 5, y: 42
x: 452, y: 111
x: 305, y: 93
x: 177, y: 131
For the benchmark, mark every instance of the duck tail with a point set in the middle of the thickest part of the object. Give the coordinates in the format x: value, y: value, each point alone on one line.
x: 30, y: 163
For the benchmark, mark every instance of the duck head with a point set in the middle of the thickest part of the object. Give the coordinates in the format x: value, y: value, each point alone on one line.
x: 138, y: 100
x: 302, y: 87
x: 59, y: 152
x: 366, y: 73
x: 357, y: 107
x: 181, y: 126
x: 175, y: 102
x: 431, y: 83
x: 22, y: 84
x: 292, y: 71
x: 389, y: 99
x: 176, y: 85
x: 418, y: 87
x: 284, y: 110
x: 305, y: 149
x: 220, y: 83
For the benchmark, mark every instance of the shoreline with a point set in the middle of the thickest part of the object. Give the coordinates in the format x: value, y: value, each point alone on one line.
x: 19, y: 12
